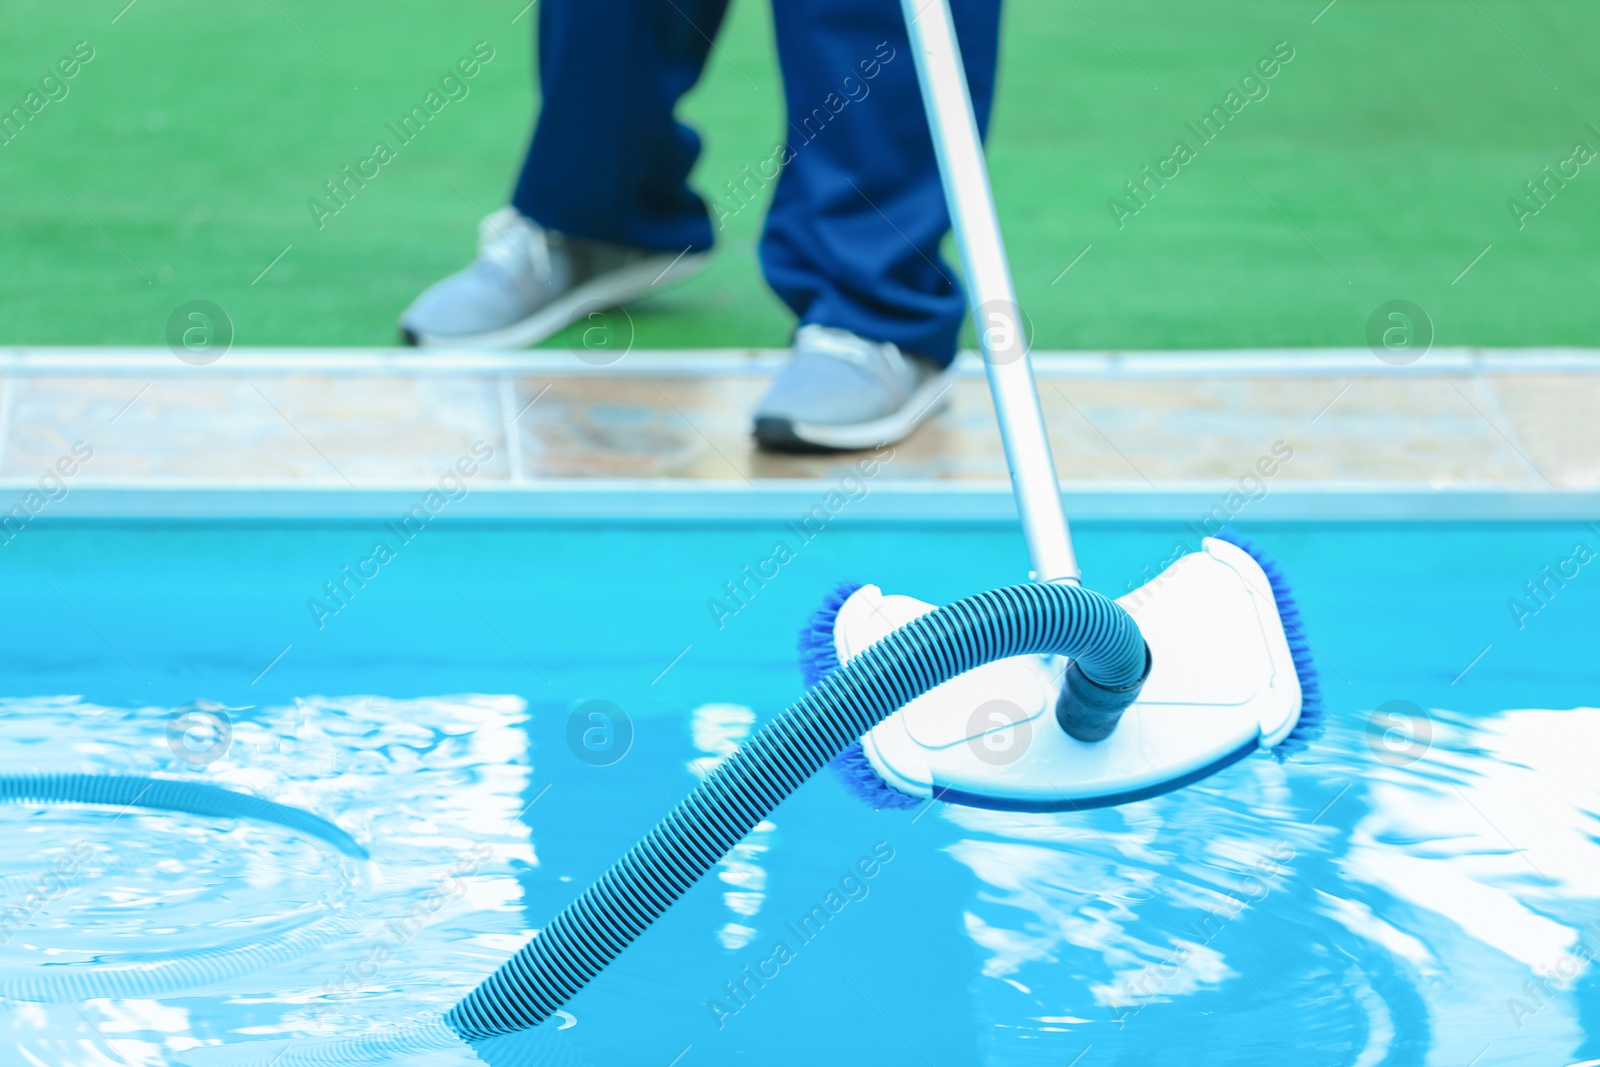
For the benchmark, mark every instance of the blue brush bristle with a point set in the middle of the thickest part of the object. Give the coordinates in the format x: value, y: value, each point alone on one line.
x: 1310, y: 726
x: 862, y: 782
x: 818, y: 659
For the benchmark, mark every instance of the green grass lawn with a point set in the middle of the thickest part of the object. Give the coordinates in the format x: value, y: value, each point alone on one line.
x: 1378, y: 166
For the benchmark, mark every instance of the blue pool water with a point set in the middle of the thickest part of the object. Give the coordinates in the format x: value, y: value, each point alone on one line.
x: 500, y: 711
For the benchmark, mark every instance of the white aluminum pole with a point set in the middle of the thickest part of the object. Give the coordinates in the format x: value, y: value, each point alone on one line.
x: 990, y: 293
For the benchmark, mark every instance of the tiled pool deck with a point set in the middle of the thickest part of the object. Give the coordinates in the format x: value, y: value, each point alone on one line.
x: 287, y: 432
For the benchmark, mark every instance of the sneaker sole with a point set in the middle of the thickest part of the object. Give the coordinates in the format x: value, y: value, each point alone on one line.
x: 779, y: 434
x: 598, y: 294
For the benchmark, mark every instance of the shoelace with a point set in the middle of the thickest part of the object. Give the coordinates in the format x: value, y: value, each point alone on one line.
x: 509, y: 241
x: 868, y: 355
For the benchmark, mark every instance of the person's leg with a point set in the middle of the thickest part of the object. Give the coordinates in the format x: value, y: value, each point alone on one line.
x: 608, y: 161
x: 852, y: 238
x: 602, y: 213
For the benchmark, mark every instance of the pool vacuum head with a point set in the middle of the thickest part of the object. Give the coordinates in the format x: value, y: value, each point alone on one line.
x: 1230, y: 674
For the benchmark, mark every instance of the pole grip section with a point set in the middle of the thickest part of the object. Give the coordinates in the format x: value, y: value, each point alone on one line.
x: 991, y: 295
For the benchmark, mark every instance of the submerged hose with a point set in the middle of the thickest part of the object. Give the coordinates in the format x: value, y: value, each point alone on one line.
x: 149, y: 975
x: 171, y: 794
x: 146, y: 975
x: 1018, y: 620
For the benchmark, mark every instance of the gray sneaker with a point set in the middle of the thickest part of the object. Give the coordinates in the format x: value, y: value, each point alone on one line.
x: 840, y: 393
x: 528, y: 283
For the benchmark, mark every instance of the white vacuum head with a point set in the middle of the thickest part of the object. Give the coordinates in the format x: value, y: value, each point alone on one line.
x: 1223, y: 683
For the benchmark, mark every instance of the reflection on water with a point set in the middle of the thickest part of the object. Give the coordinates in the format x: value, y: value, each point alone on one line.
x: 433, y: 788
x: 1365, y: 909
x: 717, y: 731
x: 1348, y: 907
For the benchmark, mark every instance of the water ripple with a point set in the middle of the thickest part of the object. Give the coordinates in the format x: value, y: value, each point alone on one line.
x: 294, y: 940
x: 1353, y: 908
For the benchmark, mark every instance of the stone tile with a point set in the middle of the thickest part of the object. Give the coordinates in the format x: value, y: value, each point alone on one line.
x: 402, y: 429
x: 328, y: 430
x: 1400, y: 428
x: 1404, y: 428
x: 1556, y: 419
x: 625, y: 427
x: 700, y: 428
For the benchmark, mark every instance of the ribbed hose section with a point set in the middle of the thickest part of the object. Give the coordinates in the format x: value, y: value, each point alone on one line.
x: 1018, y: 620
x: 168, y: 794
x: 150, y: 975
x: 145, y: 976
x: 408, y: 1043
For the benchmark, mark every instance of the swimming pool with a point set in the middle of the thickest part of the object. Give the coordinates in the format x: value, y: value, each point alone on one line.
x: 498, y: 711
